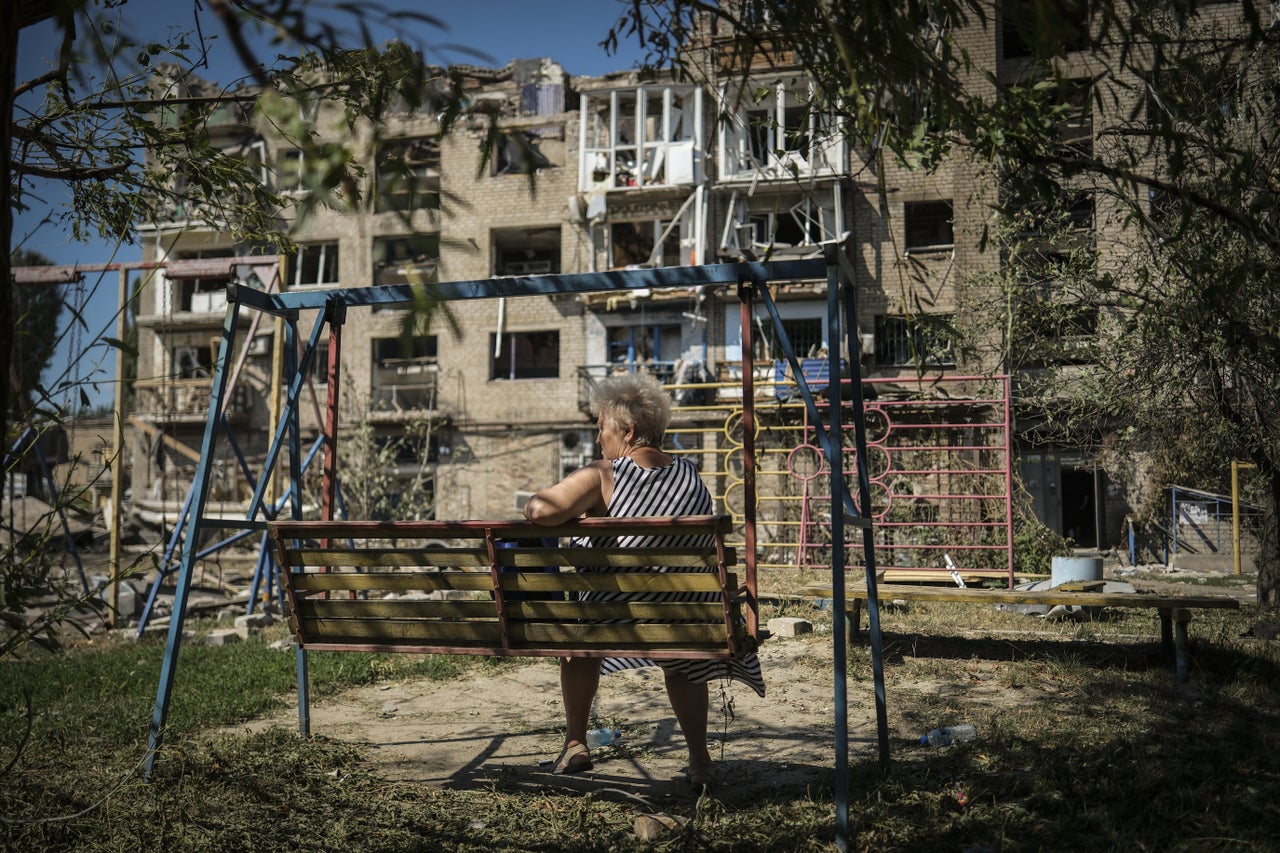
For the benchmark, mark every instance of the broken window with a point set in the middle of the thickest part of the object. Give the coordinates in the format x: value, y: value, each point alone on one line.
x: 1069, y: 33
x: 1075, y: 129
x: 191, y: 362
x: 207, y: 293
x: 633, y: 244
x: 527, y: 251
x: 519, y: 154
x: 640, y: 137
x: 404, y: 373
x: 290, y: 170
x: 525, y: 355
x: 315, y: 265
x: 411, y: 259
x: 927, y: 225
x: 920, y: 340
x: 765, y: 224
x: 645, y: 343
x: 409, y: 174
x: 778, y: 133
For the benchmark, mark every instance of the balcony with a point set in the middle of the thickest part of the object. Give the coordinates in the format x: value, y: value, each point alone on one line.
x: 186, y: 401
x: 403, y: 401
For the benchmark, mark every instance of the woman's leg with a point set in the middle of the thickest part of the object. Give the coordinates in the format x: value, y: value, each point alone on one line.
x: 579, y: 679
x: 689, y: 701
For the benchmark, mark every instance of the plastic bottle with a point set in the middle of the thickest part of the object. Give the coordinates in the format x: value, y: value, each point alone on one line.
x: 949, y: 735
x: 597, y: 738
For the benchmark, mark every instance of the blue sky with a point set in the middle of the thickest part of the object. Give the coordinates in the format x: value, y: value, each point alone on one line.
x: 568, y: 31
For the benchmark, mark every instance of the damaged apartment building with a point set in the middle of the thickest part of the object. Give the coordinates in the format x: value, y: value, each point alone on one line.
x: 490, y: 403
x: 628, y: 175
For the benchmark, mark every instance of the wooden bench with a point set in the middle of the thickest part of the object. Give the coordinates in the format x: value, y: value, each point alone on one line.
x: 1174, y: 610
x: 501, y: 588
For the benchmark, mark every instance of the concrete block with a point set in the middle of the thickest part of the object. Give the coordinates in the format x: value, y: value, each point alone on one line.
x: 222, y: 636
x: 789, y: 626
x: 254, y: 621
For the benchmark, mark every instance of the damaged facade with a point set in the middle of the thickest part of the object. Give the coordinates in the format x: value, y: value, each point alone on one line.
x: 629, y: 173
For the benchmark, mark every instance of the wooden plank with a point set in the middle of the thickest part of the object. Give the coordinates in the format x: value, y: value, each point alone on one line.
x: 711, y: 612
x: 402, y: 631
x: 503, y: 529
x: 977, y: 595
x: 349, y: 608
x: 388, y: 557
x: 585, y: 635
x: 544, y: 634
x: 340, y: 644
x: 632, y: 582
x: 615, y: 557
x: 390, y: 581
x: 648, y: 611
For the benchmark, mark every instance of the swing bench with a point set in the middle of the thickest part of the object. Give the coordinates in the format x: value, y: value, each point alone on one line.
x: 502, y: 588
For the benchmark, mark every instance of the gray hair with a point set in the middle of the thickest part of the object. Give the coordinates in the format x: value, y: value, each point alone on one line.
x: 634, y: 400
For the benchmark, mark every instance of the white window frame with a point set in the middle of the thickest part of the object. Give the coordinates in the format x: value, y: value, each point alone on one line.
x: 669, y: 157
x: 325, y: 248
x: 824, y: 151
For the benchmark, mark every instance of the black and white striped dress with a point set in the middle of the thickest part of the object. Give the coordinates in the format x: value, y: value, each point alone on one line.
x: 676, y: 489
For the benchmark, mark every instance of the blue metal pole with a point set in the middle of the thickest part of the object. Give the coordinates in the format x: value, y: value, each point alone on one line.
x: 864, y: 499
x: 200, y: 491
x: 839, y: 642
x: 289, y: 423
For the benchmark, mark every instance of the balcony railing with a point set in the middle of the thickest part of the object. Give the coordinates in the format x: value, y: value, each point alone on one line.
x: 404, y: 398
x: 186, y: 399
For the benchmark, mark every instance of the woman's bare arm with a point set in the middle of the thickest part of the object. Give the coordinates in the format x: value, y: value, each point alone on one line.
x: 584, y: 492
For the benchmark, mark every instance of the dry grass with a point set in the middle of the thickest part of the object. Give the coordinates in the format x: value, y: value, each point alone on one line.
x: 1085, y: 743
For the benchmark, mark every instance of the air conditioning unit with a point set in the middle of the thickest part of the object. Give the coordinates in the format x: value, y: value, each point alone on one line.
x: 522, y: 498
x: 260, y: 345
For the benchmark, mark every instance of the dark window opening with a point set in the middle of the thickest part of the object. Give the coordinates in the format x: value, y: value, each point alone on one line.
x: 1069, y: 31
x: 805, y: 334
x: 909, y: 341
x: 389, y: 351
x: 527, y: 251
x: 645, y: 343
x: 1075, y: 129
x: 519, y: 154
x: 315, y: 264
x: 632, y: 244
x: 526, y: 355
x: 209, y: 293
x: 192, y: 362
x: 409, y: 175
x: 291, y: 170
x: 928, y: 225
x: 411, y: 259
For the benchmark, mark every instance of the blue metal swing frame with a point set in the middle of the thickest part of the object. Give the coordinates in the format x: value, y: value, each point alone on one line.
x: 751, y: 280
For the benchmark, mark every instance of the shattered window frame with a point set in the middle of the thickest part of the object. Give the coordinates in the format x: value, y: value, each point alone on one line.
x: 642, y: 136
x: 408, y: 174
x: 533, y: 354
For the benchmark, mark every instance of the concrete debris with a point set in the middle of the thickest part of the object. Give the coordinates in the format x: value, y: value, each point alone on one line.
x: 222, y: 637
x: 789, y: 626
x: 650, y: 826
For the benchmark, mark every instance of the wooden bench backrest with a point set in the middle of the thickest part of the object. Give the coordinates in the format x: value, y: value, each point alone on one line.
x: 484, y: 587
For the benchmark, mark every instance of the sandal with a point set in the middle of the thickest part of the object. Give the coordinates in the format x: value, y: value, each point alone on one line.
x: 573, y: 759
x: 702, y: 780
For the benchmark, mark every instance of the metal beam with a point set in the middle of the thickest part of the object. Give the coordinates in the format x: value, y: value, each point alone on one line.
x: 538, y: 285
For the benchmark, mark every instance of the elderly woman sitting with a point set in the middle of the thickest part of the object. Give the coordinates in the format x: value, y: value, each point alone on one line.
x: 637, y: 478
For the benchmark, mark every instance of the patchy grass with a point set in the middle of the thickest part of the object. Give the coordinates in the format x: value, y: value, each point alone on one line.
x: 1085, y: 743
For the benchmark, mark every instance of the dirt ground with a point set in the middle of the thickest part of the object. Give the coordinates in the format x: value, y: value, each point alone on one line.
x: 507, y: 729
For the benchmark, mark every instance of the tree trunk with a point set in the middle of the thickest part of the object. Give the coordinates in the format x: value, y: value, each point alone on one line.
x: 1269, y: 548
x: 9, y: 25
